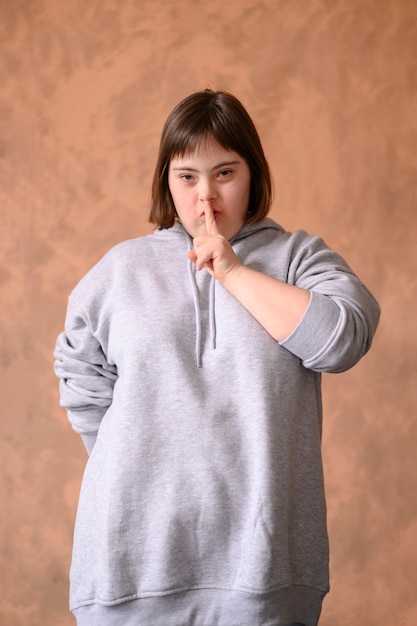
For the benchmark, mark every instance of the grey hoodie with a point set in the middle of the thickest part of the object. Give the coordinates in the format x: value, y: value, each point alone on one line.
x: 202, y: 501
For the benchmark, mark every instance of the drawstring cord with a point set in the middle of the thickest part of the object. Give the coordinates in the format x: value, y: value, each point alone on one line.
x: 197, y: 309
x: 212, y: 312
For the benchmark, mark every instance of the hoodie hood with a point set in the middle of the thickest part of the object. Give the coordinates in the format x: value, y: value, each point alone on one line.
x: 249, y: 229
x: 246, y: 231
x: 243, y: 243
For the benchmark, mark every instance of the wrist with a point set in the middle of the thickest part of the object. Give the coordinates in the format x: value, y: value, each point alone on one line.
x: 234, y: 275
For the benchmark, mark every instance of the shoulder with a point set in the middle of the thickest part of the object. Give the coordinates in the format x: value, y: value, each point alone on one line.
x: 147, y: 244
x: 125, y: 249
x: 119, y: 260
x: 130, y: 258
x: 130, y: 251
x: 299, y: 243
x: 303, y: 258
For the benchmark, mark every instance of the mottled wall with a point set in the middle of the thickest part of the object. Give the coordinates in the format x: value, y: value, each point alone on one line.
x: 84, y: 89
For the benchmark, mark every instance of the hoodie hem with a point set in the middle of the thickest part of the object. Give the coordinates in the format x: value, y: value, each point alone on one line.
x: 208, y: 607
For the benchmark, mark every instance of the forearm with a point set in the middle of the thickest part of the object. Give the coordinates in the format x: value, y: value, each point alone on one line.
x: 276, y: 305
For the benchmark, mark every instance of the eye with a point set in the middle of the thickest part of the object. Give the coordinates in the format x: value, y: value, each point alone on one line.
x: 186, y: 177
x: 224, y: 173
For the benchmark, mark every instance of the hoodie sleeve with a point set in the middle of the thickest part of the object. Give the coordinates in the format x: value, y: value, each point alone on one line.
x: 338, y: 326
x: 86, y: 377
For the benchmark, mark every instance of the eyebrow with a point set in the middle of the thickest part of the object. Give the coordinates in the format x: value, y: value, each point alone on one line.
x: 216, y: 167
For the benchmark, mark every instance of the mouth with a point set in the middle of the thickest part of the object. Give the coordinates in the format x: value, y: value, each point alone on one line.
x: 216, y: 215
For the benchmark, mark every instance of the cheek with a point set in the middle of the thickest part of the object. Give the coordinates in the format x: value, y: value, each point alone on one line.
x: 175, y: 193
x: 242, y: 198
x: 182, y: 199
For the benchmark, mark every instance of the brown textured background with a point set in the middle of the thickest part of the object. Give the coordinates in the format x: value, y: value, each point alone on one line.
x: 85, y: 86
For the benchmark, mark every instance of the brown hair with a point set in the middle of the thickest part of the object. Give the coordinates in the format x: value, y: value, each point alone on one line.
x: 202, y: 115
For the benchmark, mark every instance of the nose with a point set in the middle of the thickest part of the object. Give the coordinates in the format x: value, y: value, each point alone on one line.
x: 206, y: 191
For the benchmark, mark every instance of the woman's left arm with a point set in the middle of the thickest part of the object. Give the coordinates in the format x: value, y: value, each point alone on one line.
x: 328, y: 321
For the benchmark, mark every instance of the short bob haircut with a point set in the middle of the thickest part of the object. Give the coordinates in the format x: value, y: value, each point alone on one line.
x: 210, y: 115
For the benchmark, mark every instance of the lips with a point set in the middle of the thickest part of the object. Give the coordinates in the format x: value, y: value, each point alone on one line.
x: 215, y: 213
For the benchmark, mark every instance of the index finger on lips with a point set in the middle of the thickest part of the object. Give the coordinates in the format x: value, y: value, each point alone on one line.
x: 211, y: 226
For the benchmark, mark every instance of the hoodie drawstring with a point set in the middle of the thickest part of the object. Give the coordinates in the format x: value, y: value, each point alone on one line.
x: 212, y: 312
x: 197, y: 310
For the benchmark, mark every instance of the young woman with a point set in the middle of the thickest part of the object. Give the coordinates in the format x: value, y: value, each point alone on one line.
x: 190, y: 365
